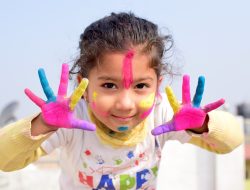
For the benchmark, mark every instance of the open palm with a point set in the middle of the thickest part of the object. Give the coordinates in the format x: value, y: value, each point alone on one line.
x: 187, y: 115
x: 58, y: 110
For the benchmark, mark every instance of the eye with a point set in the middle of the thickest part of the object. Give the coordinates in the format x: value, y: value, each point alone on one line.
x: 141, y: 85
x: 109, y: 85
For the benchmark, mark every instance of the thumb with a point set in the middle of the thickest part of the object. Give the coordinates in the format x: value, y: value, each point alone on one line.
x: 164, y: 128
x: 82, y: 124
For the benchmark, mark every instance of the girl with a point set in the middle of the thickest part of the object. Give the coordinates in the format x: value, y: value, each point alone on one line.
x: 111, y: 130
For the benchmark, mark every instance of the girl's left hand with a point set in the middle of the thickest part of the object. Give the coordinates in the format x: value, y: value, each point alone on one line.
x: 188, y: 115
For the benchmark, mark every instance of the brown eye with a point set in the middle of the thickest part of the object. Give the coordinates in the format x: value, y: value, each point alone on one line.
x: 141, y: 85
x: 109, y: 85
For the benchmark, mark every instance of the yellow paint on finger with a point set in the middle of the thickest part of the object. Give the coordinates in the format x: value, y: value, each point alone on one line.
x: 77, y: 94
x: 147, y: 102
x: 172, y: 99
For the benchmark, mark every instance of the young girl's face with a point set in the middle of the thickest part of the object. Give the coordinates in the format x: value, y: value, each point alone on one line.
x: 121, y: 93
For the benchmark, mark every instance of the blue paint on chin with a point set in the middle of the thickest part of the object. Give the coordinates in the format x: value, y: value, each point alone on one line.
x: 122, y: 128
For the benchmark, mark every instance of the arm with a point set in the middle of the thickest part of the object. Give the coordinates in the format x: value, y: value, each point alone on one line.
x: 224, y: 133
x: 20, y: 142
x: 215, y: 131
x: 17, y: 147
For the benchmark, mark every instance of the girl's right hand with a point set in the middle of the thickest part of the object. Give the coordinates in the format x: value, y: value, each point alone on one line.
x: 58, y: 110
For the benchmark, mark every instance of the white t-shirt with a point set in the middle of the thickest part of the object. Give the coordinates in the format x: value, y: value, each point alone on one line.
x: 87, y: 163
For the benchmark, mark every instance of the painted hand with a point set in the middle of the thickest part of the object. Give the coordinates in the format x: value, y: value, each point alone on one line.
x: 58, y: 110
x: 188, y: 115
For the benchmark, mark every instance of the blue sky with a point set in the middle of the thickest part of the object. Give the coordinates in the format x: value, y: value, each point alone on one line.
x: 211, y: 39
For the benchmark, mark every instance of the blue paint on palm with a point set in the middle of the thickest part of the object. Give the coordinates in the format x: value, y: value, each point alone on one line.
x: 199, y: 92
x: 45, y: 85
x: 123, y: 128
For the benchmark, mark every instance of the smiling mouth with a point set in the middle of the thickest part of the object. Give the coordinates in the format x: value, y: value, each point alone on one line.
x: 122, y: 118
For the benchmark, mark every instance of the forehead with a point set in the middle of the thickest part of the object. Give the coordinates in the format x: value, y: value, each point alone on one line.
x: 112, y: 64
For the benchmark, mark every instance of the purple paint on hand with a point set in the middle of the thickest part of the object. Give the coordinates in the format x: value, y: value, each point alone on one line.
x: 58, y: 113
x: 188, y: 116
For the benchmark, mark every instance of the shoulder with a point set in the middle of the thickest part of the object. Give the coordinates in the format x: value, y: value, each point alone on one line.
x: 81, y: 110
x: 162, y: 108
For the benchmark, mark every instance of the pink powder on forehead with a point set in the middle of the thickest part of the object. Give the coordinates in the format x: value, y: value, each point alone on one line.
x: 127, y: 69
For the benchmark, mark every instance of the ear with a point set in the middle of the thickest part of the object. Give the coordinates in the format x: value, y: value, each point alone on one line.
x: 79, y: 79
x: 159, y: 81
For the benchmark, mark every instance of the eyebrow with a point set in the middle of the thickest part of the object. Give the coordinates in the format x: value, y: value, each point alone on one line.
x: 108, y: 78
x: 119, y: 79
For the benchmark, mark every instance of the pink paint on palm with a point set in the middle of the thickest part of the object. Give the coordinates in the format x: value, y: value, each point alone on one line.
x: 58, y: 113
x: 214, y: 105
x: 186, y: 90
x: 188, y: 117
x: 127, y: 70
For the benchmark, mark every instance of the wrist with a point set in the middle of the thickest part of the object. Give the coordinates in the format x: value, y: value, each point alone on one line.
x: 203, y: 128
x: 38, y: 126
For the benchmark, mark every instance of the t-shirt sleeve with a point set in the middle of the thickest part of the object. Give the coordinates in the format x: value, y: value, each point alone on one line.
x: 224, y: 135
x: 17, y: 147
x: 56, y: 140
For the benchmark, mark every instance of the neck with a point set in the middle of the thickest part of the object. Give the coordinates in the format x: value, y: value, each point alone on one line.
x: 123, y: 139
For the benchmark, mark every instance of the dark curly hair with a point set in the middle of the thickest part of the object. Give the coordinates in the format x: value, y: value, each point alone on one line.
x: 119, y: 33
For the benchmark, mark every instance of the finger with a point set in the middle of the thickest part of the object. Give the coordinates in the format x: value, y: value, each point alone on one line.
x: 63, y: 86
x: 77, y: 94
x: 172, y: 99
x: 38, y: 101
x: 213, y: 106
x: 186, y: 90
x: 82, y: 124
x: 168, y: 127
x: 199, y: 92
x: 45, y: 85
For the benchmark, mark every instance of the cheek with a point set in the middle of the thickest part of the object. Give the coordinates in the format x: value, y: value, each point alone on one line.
x: 147, y: 102
x: 145, y: 113
x: 99, y: 104
x: 146, y: 105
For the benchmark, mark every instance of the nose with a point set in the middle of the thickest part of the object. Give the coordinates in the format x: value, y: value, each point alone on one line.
x: 125, y: 101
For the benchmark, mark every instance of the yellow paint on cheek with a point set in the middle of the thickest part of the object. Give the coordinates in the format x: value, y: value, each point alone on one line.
x: 147, y: 102
x: 95, y: 107
x: 94, y: 96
